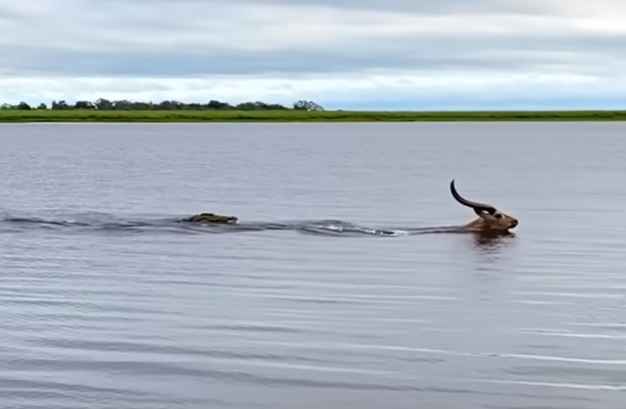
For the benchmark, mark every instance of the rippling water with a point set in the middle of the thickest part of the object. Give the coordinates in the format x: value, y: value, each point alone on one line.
x: 327, y: 299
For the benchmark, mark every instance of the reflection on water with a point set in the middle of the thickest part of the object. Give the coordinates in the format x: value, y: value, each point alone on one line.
x: 492, y: 244
x: 106, y: 301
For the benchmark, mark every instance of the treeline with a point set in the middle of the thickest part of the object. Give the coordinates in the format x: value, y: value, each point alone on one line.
x: 125, y: 105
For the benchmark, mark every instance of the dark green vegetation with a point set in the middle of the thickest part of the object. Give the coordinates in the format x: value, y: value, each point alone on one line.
x: 80, y: 115
x: 301, y: 111
x: 102, y: 104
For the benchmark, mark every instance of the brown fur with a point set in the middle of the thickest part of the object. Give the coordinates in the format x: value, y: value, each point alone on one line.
x: 499, y: 222
x: 490, y: 220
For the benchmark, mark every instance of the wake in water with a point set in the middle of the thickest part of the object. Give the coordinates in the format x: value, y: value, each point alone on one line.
x: 111, y: 223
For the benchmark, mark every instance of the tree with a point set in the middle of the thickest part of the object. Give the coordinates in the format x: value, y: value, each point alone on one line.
x: 103, y: 104
x: 167, y: 105
x: 84, y: 105
x: 307, y: 106
x: 60, y: 105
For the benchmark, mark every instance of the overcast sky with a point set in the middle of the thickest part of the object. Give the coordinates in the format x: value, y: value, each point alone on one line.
x: 378, y: 54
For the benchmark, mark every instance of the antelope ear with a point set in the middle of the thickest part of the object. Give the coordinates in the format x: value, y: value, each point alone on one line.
x: 484, y: 214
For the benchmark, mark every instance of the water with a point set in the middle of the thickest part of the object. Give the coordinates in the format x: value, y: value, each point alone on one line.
x: 107, y: 302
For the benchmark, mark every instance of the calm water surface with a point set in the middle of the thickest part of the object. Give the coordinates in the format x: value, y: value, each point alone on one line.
x: 107, y: 302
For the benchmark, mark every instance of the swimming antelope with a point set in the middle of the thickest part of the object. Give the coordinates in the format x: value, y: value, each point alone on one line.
x: 489, y: 221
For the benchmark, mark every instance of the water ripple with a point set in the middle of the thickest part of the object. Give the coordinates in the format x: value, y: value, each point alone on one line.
x: 328, y: 294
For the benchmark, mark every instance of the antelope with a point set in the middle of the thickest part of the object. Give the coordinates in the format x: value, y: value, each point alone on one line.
x: 490, y: 221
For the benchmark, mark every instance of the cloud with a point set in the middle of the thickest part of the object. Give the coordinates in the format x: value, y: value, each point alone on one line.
x: 341, y: 53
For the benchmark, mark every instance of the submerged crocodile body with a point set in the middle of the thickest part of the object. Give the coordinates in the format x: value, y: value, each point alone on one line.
x: 211, y: 218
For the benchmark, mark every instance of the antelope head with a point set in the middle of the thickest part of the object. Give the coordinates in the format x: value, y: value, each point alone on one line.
x: 489, y: 221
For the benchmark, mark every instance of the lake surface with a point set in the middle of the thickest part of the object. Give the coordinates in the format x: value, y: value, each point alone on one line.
x: 107, y: 302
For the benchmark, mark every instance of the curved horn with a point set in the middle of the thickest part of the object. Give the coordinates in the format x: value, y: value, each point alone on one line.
x: 474, y: 205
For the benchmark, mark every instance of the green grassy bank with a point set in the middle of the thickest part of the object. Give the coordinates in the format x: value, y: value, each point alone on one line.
x: 88, y: 115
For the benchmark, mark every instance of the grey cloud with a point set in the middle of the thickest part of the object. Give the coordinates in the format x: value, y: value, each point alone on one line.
x: 449, y: 7
x: 12, y: 14
x: 455, y: 50
x: 436, y: 53
x: 180, y: 64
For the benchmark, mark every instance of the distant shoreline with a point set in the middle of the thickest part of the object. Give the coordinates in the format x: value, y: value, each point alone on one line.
x: 164, y: 116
